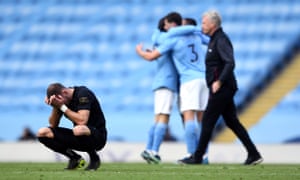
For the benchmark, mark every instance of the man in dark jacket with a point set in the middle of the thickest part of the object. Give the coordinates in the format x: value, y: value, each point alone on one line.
x: 219, y: 63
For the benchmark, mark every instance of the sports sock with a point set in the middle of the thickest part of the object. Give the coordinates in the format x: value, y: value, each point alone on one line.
x: 93, y: 155
x: 72, y: 154
x: 191, y: 139
x: 150, y: 137
x: 159, y: 133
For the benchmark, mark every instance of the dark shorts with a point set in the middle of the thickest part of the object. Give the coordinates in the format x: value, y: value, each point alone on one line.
x: 66, y: 138
x: 99, y: 136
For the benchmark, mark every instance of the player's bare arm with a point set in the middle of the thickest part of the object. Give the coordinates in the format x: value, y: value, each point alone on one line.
x: 147, y: 55
x: 79, y: 118
x: 55, y: 117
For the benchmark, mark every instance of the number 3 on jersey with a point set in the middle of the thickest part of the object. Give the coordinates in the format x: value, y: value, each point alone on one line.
x: 192, y: 46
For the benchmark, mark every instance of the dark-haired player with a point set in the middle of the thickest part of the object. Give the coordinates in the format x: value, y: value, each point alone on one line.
x: 164, y: 86
x: 188, y: 58
x: 189, y: 21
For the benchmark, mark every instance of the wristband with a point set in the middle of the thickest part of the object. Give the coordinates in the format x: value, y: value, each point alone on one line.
x: 63, y: 108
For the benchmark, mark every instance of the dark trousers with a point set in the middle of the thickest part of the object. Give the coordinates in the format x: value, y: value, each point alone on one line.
x: 64, y: 141
x: 222, y: 104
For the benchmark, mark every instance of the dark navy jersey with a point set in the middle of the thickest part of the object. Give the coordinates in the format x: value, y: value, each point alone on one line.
x: 83, y: 98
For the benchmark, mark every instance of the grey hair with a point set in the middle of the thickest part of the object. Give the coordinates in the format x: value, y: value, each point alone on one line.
x: 214, y: 16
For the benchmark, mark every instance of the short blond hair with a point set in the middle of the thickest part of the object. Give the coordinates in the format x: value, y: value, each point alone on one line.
x: 214, y: 17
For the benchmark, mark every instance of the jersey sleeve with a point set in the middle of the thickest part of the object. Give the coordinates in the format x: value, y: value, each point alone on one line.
x: 155, y: 36
x: 167, y: 45
x: 204, y: 38
x: 84, y: 100
x: 182, y: 30
x: 158, y: 37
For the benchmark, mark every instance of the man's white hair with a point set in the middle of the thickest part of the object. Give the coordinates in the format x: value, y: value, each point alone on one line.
x: 214, y: 16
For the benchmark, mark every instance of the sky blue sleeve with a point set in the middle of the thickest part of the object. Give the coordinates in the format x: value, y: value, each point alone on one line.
x: 182, y: 30
x: 158, y: 37
x: 167, y: 45
x: 204, y: 38
x: 188, y: 29
x: 155, y: 36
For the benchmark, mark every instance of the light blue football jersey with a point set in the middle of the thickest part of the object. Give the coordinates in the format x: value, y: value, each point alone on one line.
x: 188, y: 55
x: 166, y: 74
x: 185, y: 30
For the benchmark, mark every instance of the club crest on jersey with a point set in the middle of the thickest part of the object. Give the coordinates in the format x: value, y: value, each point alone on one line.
x: 83, y: 100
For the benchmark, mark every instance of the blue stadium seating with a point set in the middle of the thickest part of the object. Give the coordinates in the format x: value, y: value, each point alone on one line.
x: 92, y: 43
x: 282, y: 122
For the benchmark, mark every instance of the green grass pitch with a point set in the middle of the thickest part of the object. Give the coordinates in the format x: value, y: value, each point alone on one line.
x: 164, y: 171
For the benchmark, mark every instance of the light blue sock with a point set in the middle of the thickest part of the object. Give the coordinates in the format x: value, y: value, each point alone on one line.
x: 159, y: 133
x: 191, y: 139
x: 150, y: 137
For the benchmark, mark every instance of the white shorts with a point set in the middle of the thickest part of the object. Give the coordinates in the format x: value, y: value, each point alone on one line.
x: 163, y: 101
x: 193, y: 95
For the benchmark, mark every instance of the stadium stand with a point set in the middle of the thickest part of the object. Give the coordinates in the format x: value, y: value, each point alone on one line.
x: 92, y: 43
x: 281, y: 122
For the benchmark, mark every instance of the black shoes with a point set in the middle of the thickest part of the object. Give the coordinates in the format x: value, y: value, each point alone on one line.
x: 93, y: 166
x: 192, y: 160
x: 253, y: 160
x: 75, y: 163
x: 80, y: 162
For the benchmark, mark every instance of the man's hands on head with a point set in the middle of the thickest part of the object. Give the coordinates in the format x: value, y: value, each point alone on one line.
x: 55, y: 100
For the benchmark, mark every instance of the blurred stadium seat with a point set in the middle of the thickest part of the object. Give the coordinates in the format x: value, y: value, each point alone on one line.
x: 92, y: 43
x: 281, y: 123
